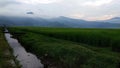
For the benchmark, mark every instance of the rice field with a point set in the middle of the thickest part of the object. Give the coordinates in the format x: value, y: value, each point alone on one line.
x: 72, y: 47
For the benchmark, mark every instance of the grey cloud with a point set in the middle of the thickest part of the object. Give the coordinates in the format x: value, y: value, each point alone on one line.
x: 5, y: 3
x: 30, y: 13
x: 64, y: 8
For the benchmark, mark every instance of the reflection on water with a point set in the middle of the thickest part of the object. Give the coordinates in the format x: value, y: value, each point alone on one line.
x: 27, y: 60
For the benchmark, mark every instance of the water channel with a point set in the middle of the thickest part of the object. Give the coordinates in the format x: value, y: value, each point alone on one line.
x: 26, y: 59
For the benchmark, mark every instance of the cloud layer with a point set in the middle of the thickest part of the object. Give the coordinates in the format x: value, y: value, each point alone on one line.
x: 97, y: 3
x: 38, y: 1
x: 83, y: 9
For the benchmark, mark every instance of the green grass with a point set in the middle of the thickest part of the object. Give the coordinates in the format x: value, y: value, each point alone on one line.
x: 7, y: 60
x: 94, y: 37
x: 72, y: 48
x: 5, y: 53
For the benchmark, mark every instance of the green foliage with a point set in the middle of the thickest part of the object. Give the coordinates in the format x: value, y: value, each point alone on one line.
x: 52, y: 46
x: 60, y: 52
x: 94, y: 37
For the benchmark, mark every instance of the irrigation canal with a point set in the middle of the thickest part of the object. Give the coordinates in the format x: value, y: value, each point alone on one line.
x: 26, y: 59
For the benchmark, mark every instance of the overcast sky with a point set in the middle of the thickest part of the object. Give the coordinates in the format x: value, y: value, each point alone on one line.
x: 80, y: 9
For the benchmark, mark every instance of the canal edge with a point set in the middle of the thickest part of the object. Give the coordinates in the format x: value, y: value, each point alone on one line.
x: 14, y: 60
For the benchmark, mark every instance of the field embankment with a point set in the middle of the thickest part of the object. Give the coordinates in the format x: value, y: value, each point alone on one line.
x: 6, y: 57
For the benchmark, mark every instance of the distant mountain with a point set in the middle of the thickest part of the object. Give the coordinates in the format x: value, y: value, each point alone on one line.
x: 113, y: 20
x: 68, y: 21
x: 28, y: 21
x: 56, y: 22
x: 79, y: 23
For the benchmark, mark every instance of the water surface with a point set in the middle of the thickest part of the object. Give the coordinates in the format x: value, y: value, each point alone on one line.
x: 27, y: 60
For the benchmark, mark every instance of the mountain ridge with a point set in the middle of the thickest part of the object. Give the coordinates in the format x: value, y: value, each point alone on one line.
x: 113, y: 20
x: 56, y: 22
